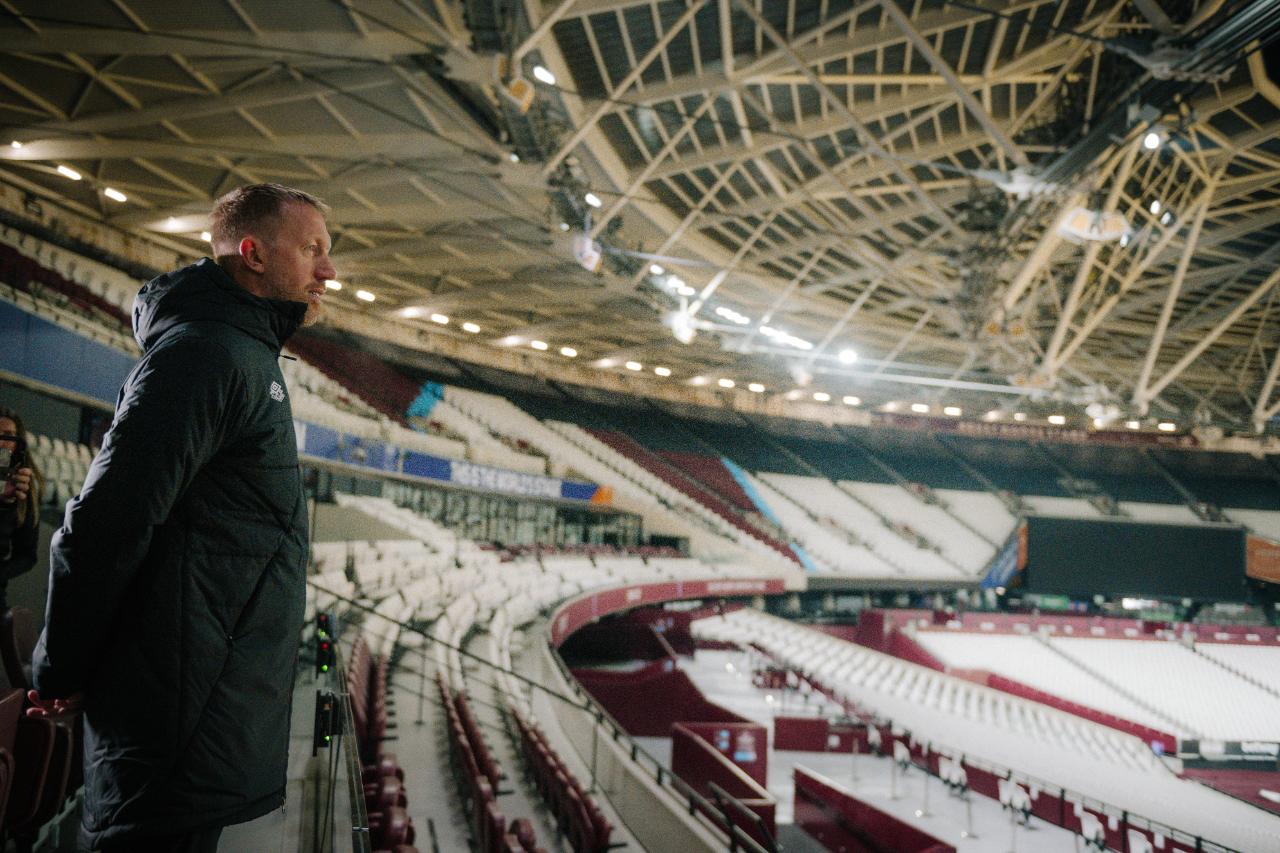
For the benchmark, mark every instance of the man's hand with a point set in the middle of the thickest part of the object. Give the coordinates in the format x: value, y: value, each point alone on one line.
x: 53, y: 709
x: 16, y: 487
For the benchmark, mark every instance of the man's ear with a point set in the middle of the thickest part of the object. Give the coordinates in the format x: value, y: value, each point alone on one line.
x: 251, y: 255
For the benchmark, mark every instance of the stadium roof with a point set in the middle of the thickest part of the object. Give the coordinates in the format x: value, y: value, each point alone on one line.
x: 1064, y: 200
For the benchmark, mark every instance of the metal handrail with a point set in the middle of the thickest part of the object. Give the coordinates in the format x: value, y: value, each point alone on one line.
x: 698, y: 805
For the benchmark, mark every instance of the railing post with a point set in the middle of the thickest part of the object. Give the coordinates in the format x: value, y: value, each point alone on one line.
x: 422, y: 687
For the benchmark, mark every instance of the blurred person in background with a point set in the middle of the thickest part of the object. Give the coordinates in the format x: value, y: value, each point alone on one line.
x: 20, y: 491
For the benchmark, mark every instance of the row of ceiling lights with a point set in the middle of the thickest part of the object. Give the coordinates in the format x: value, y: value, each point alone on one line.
x: 726, y: 383
x: 74, y: 175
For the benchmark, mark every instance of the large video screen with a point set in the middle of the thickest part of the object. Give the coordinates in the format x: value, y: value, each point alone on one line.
x: 1086, y: 557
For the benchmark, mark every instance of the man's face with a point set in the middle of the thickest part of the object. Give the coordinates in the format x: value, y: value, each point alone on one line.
x: 8, y: 427
x: 296, y: 260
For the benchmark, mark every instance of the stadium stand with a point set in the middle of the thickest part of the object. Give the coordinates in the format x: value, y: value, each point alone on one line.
x: 1003, y: 730
x: 902, y: 507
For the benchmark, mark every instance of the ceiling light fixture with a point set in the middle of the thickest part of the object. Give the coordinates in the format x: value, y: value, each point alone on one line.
x: 1019, y: 416
x: 332, y: 284
x: 1057, y: 420
x: 568, y: 352
x: 952, y: 411
x: 365, y: 296
x: 633, y: 365
x: 662, y: 371
x: 541, y: 74
x: 822, y: 396
x: 1133, y: 424
x: 470, y: 327
x: 852, y: 401
x: 115, y: 195
x: 593, y: 200
x: 848, y: 356
x: 208, y: 238
x: 920, y: 408
x: 1151, y: 141
x: 411, y: 312
x: 68, y: 172
x: 15, y: 144
x: 756, y: 388
x: 1155, y: 207
x: 726, y: 383
x: 1166, y: 426
x: 655, y: 269
x: 440, y: 318
x: 540, y: 346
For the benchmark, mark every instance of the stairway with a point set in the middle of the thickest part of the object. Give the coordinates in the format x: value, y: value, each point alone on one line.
x: 1177, y: 725
x: 1261, y: 685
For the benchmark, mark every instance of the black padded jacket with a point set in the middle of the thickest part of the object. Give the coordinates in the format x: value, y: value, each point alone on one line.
x: 177, y: 580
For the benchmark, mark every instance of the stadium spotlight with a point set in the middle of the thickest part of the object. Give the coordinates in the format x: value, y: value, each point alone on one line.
x: 848, y: 356
x: 726, y: 383
x: 1151, y: 141
x: 440, y: 318
x: 1057, y: 420
x: 365, y: 296
x: 633, y: 365
x: 756, y: 388
x: 1155, y: 207
x: 920, y: 408
x: 662, y: 371
x: 993, y: 415
x: 655, y: 269
x: 540, y: 346
x: 822, y: 396
x: 568, y: 352
x: 542, y: 75
x: 411, y: 312
x: 891, y: 406
x: 850, y: 400
x: 332, y: 284
x: 68, y: 172
x: 1133, y: 424
x: 1019, y: 416
x: 470, y: 327
x: 208, y: 238
x: 1166, y: 426
x: 115, y: 194
x: 593, y: 200
x: 952, y: 411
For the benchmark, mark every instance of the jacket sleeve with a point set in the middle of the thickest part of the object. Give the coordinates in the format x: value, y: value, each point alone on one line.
x: 8, y: 529
x: 173, y: 415
x: 22, y: 553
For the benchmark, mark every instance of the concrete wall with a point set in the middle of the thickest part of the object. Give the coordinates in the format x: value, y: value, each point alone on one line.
x: 653, y: 814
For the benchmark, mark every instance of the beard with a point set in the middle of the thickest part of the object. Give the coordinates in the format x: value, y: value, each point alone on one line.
x: 315, y: 310
x: 315, y: 314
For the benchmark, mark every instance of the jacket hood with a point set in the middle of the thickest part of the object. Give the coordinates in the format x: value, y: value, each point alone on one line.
x: 204, y: 292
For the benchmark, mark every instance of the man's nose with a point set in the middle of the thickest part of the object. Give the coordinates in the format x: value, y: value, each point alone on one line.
x: 325, y: 270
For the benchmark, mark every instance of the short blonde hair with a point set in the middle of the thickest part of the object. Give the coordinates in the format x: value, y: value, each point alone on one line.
x: 255, y: 208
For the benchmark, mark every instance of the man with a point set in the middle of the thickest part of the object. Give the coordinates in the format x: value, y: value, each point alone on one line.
x: 177, y: 580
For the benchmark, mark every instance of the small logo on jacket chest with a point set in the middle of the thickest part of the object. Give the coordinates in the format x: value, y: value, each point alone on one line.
x: 277, y: 392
